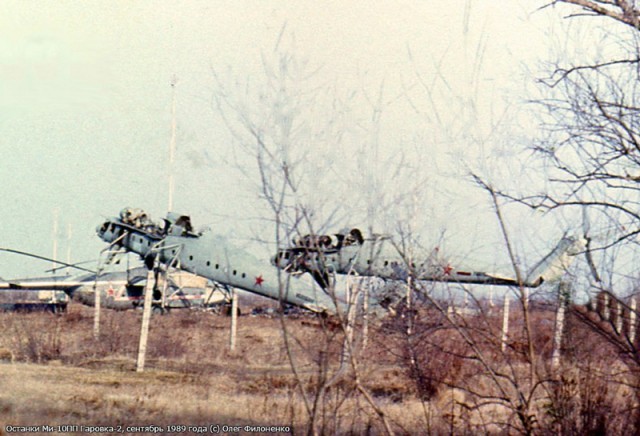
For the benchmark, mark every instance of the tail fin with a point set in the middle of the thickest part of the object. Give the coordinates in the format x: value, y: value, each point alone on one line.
x: 553, y: 265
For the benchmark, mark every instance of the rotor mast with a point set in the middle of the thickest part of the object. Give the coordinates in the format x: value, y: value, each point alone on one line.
x: 172, y: 143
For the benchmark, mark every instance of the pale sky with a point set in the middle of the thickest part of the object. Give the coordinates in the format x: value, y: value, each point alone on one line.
x: 85, y: 112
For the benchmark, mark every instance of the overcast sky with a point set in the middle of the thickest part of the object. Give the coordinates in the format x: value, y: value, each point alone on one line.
x: 85, y: 112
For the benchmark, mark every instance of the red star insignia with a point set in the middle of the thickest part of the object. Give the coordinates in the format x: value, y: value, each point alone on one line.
x: 447, y: 270
x: 259, y: 280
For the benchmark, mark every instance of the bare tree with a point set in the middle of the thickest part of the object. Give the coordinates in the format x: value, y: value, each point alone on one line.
x: 592, y: 147
x: 285, y: 124
x: 590, y: 141
x: 591, y: 153
x: 623, y: 11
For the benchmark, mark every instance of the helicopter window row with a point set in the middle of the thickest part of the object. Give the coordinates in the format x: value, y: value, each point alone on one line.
x: 313, y: 256
x: 217, y: 266
x: 386, y: 263
x: 142, y: 240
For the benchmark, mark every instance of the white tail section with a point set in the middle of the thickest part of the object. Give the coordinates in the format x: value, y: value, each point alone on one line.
x: 554, y: 265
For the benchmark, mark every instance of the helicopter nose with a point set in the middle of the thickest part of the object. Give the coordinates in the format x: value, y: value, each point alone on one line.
x: 275, y: 260
x: 279, y: 259
x: 102, y: 228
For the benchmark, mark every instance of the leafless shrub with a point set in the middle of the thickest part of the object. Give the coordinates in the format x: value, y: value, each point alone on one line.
x: 33, y: 337
x: 429, y: 354
x: 6, y: 355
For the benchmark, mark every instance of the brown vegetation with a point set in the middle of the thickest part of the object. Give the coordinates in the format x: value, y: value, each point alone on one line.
x: 428, y: 381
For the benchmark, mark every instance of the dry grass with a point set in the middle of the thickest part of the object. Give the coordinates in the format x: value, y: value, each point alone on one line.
x: 53, y: 372
x: 70, y: 395
x: 62, y: 376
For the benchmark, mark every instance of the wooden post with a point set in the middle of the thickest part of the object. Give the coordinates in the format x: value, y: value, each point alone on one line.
x: 605, y: 306
x: 365, y: 313
x: 564, y: 290
x: 505, y: 322
x: 96, y: 310
x: 234, y: 320
x: 97, y: 298
x: 146, y: 317
x: 349, y: 320
x: 632, y: 319
x: 409, y: 306
x: 618, y: 316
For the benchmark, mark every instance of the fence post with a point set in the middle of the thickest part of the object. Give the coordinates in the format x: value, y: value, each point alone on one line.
x: 146, y: 317
x: 564, y: 294
x: 234, y: 320
x: 632, y: 320
x: 505, y: 322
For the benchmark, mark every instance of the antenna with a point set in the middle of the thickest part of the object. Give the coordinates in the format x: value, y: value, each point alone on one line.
x: 172, y: 144
x: 68, y: 244
x: 55, y: 237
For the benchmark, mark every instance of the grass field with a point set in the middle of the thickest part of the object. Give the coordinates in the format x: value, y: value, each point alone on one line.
x: 437, y: 375
x: 54, y: 373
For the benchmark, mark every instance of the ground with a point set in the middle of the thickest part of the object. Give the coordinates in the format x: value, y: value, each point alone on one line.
x: 53, y: 372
